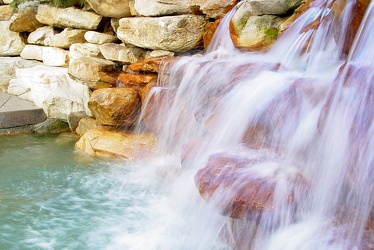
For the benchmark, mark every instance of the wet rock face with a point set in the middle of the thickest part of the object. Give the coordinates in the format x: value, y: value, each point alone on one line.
x: 247, y: 187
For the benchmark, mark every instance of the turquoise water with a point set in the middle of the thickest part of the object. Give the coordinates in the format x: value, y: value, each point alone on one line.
x: 52, y: 197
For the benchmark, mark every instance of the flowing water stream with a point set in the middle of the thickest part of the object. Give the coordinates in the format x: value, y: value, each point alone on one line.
x: 291, y: 127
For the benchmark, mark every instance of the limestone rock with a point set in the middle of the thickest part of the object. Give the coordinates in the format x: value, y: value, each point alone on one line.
x: 52, y: 89
x: 122, y: 53
x: 8, y: 67
x: 172, y: 33
x: 65, y: 38
x: 99, y: 38
x: 94, y: 72
x: 78, y: 50
x: 115, y: 106
x: 55, y: 57
x: 6, y: 12
x: 117, y: 144
x: 68, y: 17
x: 87, y: 123
x: 11, y: 43
x: 111, y: 8
x: 39, y: 35
x: 213, y: 8
x: 24, y: 20
x: 257, y: 34
x: 159, y: 53
x: 32, y: 52
x: 160, y: 7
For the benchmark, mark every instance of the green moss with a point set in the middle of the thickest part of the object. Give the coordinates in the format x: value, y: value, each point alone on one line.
x: 271, y: 33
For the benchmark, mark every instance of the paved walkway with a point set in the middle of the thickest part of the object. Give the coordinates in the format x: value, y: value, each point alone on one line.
x: 16, y: 112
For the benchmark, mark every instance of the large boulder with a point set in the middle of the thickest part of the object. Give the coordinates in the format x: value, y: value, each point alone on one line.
x: 8, y: 66
x: 255, y: 33
x: 160, y: 7
x: 94, y: 72
x: 52, y: 89
x: 11, y: 43
x: 111, y: 8
x: 115, y: 106
x: 174, y: 33
x: 68, y: 17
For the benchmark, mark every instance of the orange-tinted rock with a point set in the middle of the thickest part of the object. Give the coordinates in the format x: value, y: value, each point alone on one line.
x: 357, y: 15
x: 117, y: 144
x: 210, y: 29
x: 135, y: 80
x: 243, y: 186
x: 148, y: 65
x: 115, y: 106
x: 88, y: 123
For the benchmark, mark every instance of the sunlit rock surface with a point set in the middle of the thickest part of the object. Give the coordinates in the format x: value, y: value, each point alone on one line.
x: 6, y: 12
x: 99, y: 38
x: 78, y: 50
x: 160, y: 7
x: 213, y: 8
x: 174, y: 33
x: 11, y: 43
x: 111, y: 8
x: 115, y: 106
x: 68, y: 17
x: 94, y: 72
x: 24, y: 19
x: 117, y: 144
x: 122, y: 53
x: 51, y: 89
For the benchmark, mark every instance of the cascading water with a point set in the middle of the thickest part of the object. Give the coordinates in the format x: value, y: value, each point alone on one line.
x: 281, y: 142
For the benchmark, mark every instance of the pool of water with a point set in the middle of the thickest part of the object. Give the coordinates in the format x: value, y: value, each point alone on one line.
x: 52, y: 197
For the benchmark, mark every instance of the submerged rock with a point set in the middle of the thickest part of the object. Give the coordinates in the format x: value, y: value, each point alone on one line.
x: 247, y: 186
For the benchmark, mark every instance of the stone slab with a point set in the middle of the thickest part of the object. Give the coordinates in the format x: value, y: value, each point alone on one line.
x: 16, y: 112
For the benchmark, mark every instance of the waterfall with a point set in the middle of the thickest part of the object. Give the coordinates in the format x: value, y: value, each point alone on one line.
x: 291, y: 130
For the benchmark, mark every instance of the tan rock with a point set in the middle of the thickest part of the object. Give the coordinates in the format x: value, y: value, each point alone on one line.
x: 68, y: 17
x: 111, y: 8
x: 65, y: 38
x: 39, y: 35
x: 213, y: 8
x: 88, y: 123
x: 160, y: 7
x: 11, y: 43
x: 99, y: 38
x: 159, y: 53
x: 173, y: 33
x: 117, y: 144
x: 78, y: 50
x: 115, y: 106
x: 94, y: 72
x: 122, y: 53
x: 24, y: 20
x: 257, y: 34
x: 270, y: 7
x: 6, y: 12
x: 32, y: 52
